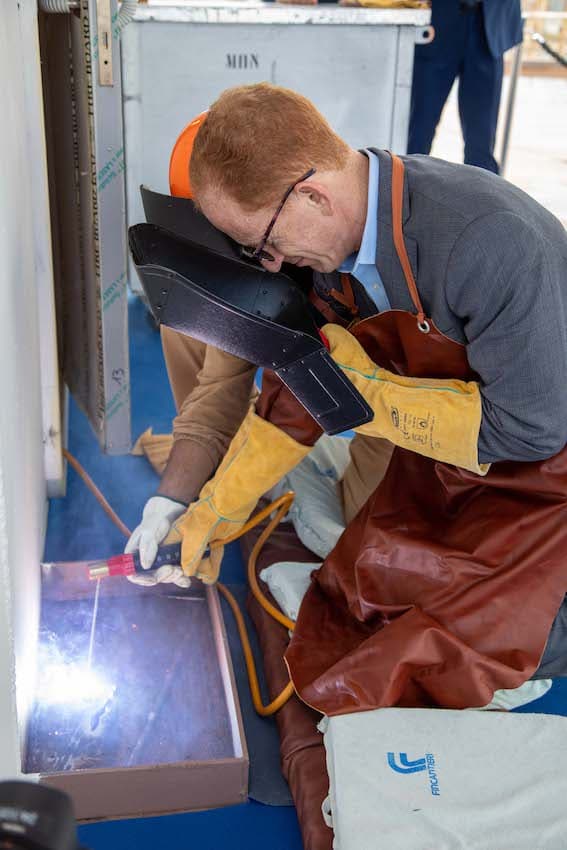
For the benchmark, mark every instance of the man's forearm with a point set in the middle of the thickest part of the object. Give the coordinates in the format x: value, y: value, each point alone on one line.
x: 189, y: 467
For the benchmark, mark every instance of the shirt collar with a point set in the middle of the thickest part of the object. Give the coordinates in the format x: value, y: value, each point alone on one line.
x: 366, y: 255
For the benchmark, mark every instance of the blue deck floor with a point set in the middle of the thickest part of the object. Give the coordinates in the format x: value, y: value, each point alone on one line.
x: 78, y: 529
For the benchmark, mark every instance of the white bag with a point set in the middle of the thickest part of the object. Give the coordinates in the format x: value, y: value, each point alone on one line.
x: 430, y: 779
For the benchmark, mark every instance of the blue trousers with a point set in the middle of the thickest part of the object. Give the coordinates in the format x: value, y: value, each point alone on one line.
x: 459, y: 50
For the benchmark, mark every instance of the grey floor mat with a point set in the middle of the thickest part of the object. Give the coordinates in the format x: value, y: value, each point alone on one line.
x: 267, y: 784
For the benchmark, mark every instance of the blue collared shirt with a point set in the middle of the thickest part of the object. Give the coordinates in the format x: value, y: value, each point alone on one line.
x: 363, y: 265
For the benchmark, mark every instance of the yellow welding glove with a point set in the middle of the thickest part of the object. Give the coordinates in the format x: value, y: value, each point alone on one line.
x: 436, y: 418
x: 258, y: 457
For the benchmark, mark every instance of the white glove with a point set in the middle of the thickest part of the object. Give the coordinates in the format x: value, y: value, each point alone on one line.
x: 167, y: 574
x: 157, y: 518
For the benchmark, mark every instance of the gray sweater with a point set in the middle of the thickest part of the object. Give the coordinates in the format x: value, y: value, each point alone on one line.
x: 491, y: 269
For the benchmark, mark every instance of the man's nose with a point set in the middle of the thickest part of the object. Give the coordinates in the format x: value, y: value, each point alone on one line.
x: 275, y: 264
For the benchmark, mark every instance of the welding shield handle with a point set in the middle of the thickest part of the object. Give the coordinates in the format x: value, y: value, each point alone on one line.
x: 167, y: 554
x: 165, y: 568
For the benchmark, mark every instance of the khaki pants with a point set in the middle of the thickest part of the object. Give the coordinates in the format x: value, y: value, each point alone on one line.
x: 212, y: 392
x: 369, y: 459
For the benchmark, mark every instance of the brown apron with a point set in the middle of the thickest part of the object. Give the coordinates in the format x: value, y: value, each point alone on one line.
x: 444, y: 587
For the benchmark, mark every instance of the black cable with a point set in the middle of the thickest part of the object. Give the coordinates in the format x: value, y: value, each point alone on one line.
x: 536, y: 36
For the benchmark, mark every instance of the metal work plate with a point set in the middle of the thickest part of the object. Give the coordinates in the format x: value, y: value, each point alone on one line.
x: 157, y: 698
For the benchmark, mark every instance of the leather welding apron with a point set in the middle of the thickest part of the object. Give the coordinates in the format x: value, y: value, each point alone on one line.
x: 445, y: 586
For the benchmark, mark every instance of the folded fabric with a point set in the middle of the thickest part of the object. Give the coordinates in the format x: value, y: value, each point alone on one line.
x: 317, y: 511
x: 288, y: 582
x: 156, y: 447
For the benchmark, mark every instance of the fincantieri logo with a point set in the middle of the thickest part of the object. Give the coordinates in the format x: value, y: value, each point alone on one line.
x: 400, y: 763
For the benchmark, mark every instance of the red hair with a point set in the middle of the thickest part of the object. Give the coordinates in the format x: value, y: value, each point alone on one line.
x: 257, y: 139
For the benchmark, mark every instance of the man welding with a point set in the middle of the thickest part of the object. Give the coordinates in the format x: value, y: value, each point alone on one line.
x: 445, y: 586
x: 213, y: 389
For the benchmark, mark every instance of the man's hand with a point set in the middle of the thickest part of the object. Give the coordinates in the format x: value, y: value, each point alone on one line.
x: 163, y: 575
x: 159, y: 515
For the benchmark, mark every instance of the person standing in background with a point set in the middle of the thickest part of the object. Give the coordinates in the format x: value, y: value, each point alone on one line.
x: 471, y: 37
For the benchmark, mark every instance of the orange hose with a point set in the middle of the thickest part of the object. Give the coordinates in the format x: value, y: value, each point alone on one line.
x: 96, y: 492
x: 281, y: 506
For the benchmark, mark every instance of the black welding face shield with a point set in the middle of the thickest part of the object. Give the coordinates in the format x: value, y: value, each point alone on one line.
x: 197, y: 283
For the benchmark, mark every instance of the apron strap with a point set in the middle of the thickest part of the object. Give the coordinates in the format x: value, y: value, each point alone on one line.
x: 400, y: 245
x: 346, y: 297
x: 326, y: 310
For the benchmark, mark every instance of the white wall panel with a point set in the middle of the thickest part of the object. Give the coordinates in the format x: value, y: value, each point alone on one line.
x: 24, y: 254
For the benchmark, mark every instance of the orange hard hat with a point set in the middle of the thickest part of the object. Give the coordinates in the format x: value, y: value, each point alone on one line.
x: 179, y: 182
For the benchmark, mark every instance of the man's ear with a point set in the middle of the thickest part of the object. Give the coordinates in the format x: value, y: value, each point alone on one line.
x: 317, y: 196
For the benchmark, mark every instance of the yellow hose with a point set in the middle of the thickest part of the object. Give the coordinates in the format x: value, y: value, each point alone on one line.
x: 280, y: 506
x: 288, y: 691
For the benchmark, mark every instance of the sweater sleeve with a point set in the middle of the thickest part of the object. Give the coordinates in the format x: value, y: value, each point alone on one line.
x: 212, y: 391
x: 508, y: 285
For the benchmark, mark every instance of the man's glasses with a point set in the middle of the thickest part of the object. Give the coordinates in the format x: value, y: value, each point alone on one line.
x: 259, y: 253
